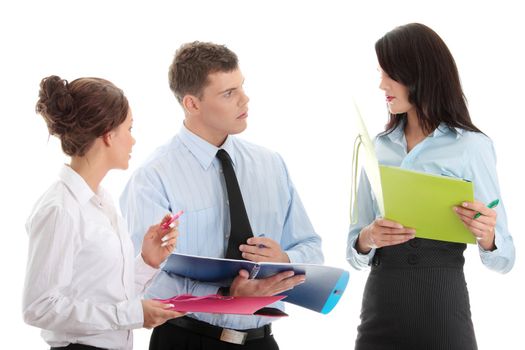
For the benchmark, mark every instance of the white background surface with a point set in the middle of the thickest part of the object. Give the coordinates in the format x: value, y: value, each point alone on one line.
x: 302, y: 62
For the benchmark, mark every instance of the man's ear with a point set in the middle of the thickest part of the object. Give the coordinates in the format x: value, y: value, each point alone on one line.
x: 191, y: 104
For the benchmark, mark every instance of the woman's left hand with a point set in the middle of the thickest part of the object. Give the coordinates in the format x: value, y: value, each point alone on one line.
x: 159, y: 243
x: 484, y: 227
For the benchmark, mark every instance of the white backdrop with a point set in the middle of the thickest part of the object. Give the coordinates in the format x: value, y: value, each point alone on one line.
x: 302, y: 62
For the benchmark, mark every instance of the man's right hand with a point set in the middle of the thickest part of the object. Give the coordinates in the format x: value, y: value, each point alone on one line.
x: 156, y: 313
x: 243, y: 286
x: 382, y: 233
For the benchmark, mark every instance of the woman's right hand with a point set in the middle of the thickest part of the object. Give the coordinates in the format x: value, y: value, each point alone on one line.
x: 383, y: 233
x: 156, y: 313
x: 155, y: 248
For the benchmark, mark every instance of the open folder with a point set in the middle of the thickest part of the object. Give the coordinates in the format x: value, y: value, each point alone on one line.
x: 321, y: 291
x: 414, y: 199
x: 371, y: 165
x: 425, y: 202
x: 218, y: 304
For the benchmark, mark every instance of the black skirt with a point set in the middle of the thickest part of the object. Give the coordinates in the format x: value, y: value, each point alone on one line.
x: 416, y: 298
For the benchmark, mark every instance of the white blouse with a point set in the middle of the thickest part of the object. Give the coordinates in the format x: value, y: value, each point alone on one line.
x: 83, y: 283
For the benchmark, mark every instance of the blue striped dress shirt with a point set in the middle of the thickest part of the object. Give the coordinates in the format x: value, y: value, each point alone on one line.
x: 451, y: 152
x: 185, y: 174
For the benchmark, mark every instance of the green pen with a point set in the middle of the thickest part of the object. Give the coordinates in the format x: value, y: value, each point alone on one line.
x: 491, y: 205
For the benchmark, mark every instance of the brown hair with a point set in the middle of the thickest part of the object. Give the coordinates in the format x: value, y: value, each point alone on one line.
x: 415, y: 56
x: 81, y: 111
x: 193, y: 62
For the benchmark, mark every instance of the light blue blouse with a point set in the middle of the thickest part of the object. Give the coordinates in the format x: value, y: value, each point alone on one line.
x: 446, y: 151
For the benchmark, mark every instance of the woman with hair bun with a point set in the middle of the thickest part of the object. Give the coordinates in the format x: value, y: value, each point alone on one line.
x: 83, y: 284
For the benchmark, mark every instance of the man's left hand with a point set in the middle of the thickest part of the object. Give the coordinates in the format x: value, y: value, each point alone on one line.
x: 263, y: 249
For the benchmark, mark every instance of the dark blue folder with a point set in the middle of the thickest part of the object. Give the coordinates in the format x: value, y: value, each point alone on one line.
x: 321, y: 291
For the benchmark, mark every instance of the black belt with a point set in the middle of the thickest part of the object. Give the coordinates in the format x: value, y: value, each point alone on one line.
x: 77, y: 347
x: 420, y: 252
x: 224, y: 334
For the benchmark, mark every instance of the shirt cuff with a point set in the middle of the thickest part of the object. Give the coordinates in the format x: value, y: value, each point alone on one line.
x: 130, y: 314
x: 487, y: 254
x: 144, y: 273
x: 293, y: 256
x: 365, y: 258
x: 500, y: 259
x: 361, y: 260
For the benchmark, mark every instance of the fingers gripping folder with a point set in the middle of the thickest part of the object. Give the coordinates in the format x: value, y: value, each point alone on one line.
x: 321, y: 291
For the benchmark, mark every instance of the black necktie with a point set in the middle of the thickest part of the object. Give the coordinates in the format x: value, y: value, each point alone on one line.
x: 240, y: 225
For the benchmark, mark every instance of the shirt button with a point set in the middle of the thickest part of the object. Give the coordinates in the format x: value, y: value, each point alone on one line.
x: 375, y: 261
x: 413, y: 259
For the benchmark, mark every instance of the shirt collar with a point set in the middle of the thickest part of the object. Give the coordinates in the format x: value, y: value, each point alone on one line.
x: 398, y: 135
x: 444, y: 129
x: 76, y: 184
x: 202, y: 150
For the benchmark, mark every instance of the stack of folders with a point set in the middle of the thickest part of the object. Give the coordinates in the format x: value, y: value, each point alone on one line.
x: 321, y: 291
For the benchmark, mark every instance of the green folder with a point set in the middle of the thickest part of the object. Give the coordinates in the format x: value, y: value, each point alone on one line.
x: 425, y: 202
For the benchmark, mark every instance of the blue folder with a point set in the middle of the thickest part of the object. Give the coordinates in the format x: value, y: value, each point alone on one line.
x: 321, y: 291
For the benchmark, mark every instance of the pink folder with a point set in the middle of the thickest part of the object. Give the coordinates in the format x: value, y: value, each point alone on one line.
x: 218, y: 304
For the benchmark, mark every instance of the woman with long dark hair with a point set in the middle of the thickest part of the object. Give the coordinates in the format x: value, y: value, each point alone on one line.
x: 416, y: 295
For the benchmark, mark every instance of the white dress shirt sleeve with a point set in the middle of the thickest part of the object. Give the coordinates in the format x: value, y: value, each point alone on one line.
x: 50, y: 268
x: 144, y: 275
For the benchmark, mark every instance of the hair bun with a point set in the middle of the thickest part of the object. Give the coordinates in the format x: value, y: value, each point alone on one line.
x: 56, y: 105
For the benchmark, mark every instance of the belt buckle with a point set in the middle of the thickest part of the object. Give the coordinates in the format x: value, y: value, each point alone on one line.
x: 233, y: 336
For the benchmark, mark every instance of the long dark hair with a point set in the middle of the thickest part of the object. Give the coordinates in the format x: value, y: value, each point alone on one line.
x: 415, y: 56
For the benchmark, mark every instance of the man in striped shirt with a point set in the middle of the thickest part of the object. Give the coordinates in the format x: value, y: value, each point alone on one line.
x: 185, y: 174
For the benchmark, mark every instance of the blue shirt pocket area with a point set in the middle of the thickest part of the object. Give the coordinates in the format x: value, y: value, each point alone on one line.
x: 201, y: 232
